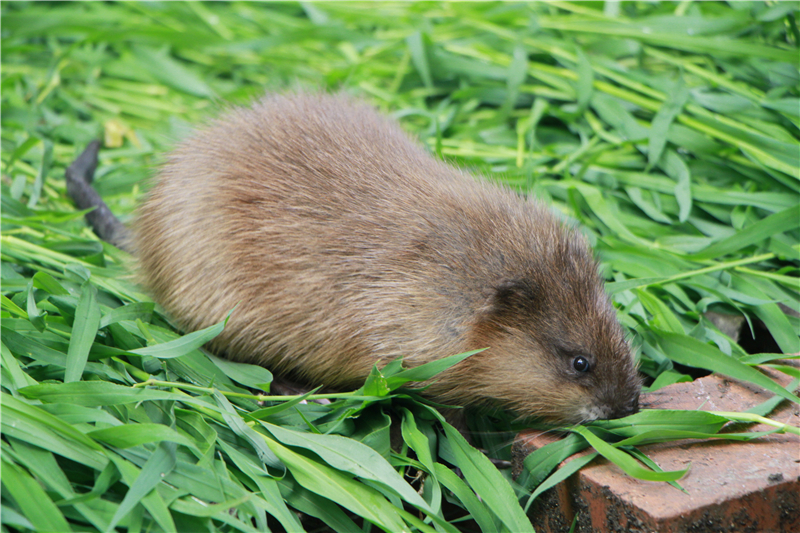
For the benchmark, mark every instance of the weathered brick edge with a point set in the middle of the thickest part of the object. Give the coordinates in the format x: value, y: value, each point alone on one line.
x: 733, y: 486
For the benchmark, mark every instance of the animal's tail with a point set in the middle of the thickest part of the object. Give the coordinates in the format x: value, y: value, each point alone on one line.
x: 79, y: 187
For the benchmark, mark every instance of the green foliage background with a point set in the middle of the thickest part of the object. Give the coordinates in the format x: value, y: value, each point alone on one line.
x: 668, y: 131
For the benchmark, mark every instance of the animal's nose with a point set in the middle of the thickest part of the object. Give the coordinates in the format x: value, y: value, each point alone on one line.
x: 628, y: 408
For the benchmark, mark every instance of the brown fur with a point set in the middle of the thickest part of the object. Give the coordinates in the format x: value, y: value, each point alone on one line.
x: 343, y: 243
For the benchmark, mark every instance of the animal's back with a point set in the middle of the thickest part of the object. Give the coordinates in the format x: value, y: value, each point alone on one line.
x: 323, y: 222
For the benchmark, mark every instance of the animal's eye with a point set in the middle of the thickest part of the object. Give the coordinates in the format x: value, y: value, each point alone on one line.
x: 580, y: 364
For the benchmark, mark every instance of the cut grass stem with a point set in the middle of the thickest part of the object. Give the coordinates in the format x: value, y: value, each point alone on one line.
x: 256, y: 397
x: 753, y: 418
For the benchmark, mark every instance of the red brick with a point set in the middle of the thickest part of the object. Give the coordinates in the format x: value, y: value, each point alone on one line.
x: 733, y: 486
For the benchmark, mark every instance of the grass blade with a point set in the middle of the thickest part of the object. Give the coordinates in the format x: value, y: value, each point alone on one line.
x: 128, y: 436
x: 84, y: 329
x: 185, y: 344
x: 353, y: 457
x: 486, y: 481
x: 662, y: 120
x: 340, y: 488
x: 780, y: 222
x: 691, y: 352
x: 37, y: 507
x: 625, y: 461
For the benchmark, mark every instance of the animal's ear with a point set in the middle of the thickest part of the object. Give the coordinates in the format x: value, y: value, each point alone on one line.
x: 513, y: 298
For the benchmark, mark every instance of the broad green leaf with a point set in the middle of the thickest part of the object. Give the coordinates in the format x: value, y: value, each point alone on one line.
x: 266, y: 484
x: 130, y: 435
x: 676, y: 169
x: 77, y: 414
x: 663, y: 317
x: 667, y: 378
x: 97, y: 394
x: 476, y: 508
x: 373, y: 428
x: 188, y: 506
x: 167, y: 70
x: 648, y: 420
x: 691, y: 352
x: 614, y: 287
x: 767, y: 406
x: 34, y: 315
x: 21, y: 150
x: 44, y: 170
x: 28, y: 347
x: 517, y: 72
x: 428, y: 370
x: 185, y: 344
x: 614, y: 112
x: 761, y: 358
x: 584, y: 86
x: 84, y: 329
x: 43, y: 465
x: 770, y: 313
x: 602, y: 209
x: 560, y: 475
x: 637, y: 454
x: 37, y: 434
x: 342, y: 489
x: 11, y: 518
x: 238, y: 426
x: 663, y: 118
x: 131, y: 311
x: 19, y: 408
x: 17, y: 378
x: 666, y: 435
x: 46, y: 282
x: 33, y: 501
x: 417, y: 440
x: 635, y: 194
x: 11, y: 307
x: 486, y: 481
x: 376, y: 383
x: 627, y: 463
x: 141, y: 482
x: 195, y: 427
x: 539, y: 464
x: 783, y: 221
x: 421, y: 445
x: 315, y: 505
x: 350, y: 456
x: 419, y: 56
x: 253, y: 376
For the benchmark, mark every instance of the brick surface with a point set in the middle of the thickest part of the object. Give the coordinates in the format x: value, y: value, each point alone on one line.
x: 733, y: 486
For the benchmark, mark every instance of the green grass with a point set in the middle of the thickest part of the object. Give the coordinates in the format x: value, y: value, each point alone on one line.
x: 668, y: 131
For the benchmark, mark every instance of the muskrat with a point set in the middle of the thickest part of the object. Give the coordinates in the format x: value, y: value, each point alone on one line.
x: 343, y: 244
